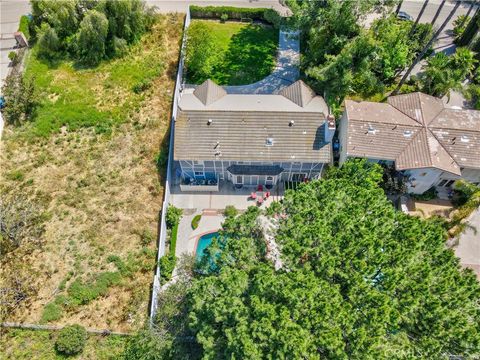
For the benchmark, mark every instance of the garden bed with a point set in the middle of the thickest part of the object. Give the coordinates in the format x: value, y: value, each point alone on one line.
x: 243, y: 53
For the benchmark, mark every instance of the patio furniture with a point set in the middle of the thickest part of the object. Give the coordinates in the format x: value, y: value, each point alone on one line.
x: 260, y: 187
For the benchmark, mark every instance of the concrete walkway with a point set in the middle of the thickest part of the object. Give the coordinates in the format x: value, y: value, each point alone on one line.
x: 468, y: 248
x: 285, y: 73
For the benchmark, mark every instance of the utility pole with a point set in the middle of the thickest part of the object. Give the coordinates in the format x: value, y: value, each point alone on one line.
x: 438, y: 12
x: 419, y: 57
x: 412, y: 30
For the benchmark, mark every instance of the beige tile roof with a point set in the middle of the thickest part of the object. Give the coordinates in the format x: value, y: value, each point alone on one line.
x: 236, y: 126
x: 299, y: 93
x: 209, y: 92
x: 433, y: 136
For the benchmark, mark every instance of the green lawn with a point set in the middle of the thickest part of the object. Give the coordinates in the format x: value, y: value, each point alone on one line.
x: 21, y: 344
x: 245, y: 53
x: 100, y: 97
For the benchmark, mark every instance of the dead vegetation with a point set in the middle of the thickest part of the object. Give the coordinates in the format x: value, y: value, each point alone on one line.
x: 102, y: 193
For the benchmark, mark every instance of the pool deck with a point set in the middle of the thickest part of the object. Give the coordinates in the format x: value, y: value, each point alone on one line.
x: 187, y: 237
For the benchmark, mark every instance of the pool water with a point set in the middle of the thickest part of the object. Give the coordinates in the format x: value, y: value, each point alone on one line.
x: 203, y: 243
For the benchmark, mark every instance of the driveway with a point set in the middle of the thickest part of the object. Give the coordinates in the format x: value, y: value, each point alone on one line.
x: 286, y: 70
x: 468, y: 248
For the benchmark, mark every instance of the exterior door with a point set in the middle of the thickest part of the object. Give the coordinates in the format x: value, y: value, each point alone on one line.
x: 255, y: 179
x: 239, y: 179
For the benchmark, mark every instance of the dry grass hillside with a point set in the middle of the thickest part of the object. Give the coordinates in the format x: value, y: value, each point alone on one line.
x: 99, y: 191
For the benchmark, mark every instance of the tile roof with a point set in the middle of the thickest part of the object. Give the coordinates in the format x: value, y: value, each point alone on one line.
x: 430, y: 135
x: 299, y: 93
x: 237, y: 126
x: 209, y: 92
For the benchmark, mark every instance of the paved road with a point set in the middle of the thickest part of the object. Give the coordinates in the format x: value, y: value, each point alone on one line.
x: 468, y: 248
x: 285, y: 73
x: 10, y: 12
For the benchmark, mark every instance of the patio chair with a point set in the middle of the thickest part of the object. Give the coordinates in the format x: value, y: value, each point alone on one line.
x: 260, y: 187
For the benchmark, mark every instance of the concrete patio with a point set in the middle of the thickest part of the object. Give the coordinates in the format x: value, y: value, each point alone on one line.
x: 217, y: 201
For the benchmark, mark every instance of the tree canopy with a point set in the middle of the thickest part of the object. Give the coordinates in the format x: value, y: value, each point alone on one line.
x: 360, y: 280
x: 69, y: 27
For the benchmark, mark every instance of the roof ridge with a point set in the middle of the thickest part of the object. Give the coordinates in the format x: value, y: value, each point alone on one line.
x: 441, y: 145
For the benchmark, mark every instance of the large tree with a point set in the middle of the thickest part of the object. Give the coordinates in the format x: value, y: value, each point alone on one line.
x: 91, y: 37
x: 360, y: 280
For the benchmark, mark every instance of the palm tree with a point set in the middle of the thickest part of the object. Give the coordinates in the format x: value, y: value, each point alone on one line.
x: 426, y: 47
x: 438, y: 12
x: 412, y: 30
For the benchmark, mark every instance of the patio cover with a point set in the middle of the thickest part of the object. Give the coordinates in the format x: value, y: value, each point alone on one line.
x: 269, y: 170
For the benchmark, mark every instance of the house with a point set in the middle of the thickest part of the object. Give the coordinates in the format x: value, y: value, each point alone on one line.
x: 251, y: 139
x: 431, y: 144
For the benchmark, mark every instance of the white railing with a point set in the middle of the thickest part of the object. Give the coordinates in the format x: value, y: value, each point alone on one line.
x: 163, y: 226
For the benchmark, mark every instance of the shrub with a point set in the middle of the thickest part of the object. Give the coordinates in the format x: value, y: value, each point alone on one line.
x: 460, y: 24
x: 120, y: 46
x: 167, y: 264
x: 141, y: 86
x: 24, y: 26
x: 51, y: 312
x: 216, y: 12
x: 173, y: 216
x: 230, y: 211
x: 273, y: 17
x: 16, y: 175
x: 71, y: 340
x: 91, y: 37
x: 147, y: 237
x: 82, y: 293
x: 430, y: 194
x: 196, y: 221
x: 20, y: 100
x: 48, y: 42
x: 13, y: 57
x: 224, y: 18
x: 173, y: 239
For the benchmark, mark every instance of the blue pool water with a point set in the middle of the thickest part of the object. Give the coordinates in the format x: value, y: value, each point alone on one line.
x: 203, y: 243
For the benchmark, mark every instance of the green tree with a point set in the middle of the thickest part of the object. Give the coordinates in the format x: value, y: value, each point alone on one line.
x: 200, y: 46
x: 459, y: 25
x: 91, y: 37
x: 64, y: 16
x: 20, y: 100
x: 443, y: 73
x: 48, y: 42
x: 363, y: 281
x: 71, y: 340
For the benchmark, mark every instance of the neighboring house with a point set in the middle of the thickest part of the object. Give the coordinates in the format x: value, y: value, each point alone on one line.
x: 251, y: 139
x: 431, y: 144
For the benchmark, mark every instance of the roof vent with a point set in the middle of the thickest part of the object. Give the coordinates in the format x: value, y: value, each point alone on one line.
x: 209, y: 122
x: 408, y: 133
x: 371, y: 129
x: 269, y: 141
x: 291, y: 123
x: 464, y: 139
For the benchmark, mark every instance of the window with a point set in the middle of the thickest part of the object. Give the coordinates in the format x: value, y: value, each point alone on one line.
x: 450, y: 183
x: 199, y: 173
x: 270, y: 178
x: 198, y: 162
x: 239, y: 179
x: 442, y: 183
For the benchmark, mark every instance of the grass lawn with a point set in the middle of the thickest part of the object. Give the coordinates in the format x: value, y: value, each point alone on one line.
x: 245, y: 53
x: 40, y: 345
x: 88, y: 161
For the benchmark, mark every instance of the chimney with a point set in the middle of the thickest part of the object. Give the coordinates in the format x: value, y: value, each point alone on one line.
x: 329, y: 128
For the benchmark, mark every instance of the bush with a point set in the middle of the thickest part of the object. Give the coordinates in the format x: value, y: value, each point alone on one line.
x: 82, y: 293
x: 24, y: 26
x: 13, y: 57
x: 91, y: 37
x: 173, y: 239
x: 173, y: 216
x: 71, y: 340
x: 230, y: 211
x: 51, y: 312
x: 430, y: 194
x: 20, y: 101
x: 235, y: 13
x: 167, y: 264
x: 224, y: 18
x: 120, y: 46
x: 196, y: 221
x: 147, y: 237
x: 48, y: 42
x: 141, y: 86
x: 460, y: 24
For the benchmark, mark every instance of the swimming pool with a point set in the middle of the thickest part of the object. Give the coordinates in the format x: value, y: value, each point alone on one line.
x: 203, y: 243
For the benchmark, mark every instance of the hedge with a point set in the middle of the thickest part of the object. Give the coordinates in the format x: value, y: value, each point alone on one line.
x: 234, y: 13
x: 24, y: 26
